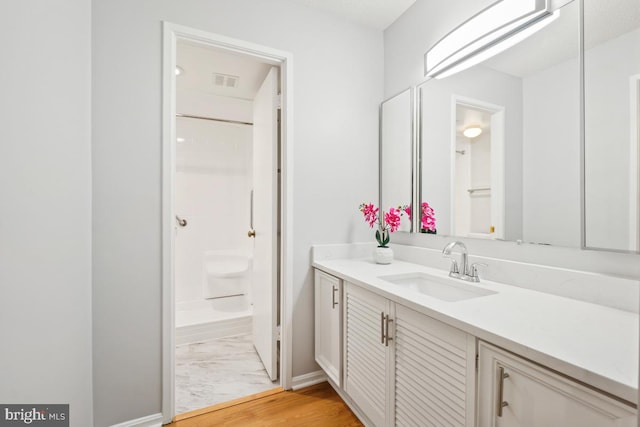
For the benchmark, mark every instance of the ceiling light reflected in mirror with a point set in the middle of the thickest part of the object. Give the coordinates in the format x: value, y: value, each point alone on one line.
x: 472, y: 132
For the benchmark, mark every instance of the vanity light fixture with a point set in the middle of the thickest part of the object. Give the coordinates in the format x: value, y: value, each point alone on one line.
x: 179, y: 140
x: 179, y: 70
x: 472, y: 131
x: 486, y: 34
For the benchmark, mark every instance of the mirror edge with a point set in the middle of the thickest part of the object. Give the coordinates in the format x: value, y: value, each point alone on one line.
x: 414, y: 147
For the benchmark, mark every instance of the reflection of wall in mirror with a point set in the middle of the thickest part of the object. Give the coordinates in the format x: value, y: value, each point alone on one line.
x: 551, y: 155
x: 395, y: 154
x: 609, y: 174
x: 488, y: 86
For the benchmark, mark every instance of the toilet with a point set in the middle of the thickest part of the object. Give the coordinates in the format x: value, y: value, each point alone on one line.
x: 225, y: 274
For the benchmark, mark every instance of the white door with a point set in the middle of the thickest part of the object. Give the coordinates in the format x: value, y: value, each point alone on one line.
x: 265, y: 222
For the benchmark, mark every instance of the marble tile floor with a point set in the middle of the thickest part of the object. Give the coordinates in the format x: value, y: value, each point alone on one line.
x: 216, y: 371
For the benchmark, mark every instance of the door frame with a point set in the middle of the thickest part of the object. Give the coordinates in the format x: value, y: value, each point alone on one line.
x: 171, y: 34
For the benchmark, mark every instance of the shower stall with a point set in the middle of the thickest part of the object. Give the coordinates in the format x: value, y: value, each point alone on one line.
x: 213, y: 254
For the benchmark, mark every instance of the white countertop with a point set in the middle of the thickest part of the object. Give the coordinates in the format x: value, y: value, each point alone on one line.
x: 591, y: 343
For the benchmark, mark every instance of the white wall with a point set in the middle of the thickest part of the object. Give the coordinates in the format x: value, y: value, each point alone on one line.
x: 338, y: 78
x: 411, y: 35
x: 45, y: 226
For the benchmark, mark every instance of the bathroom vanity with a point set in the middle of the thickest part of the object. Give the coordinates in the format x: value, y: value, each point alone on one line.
x: 404, y: 344
x: 552, y: 339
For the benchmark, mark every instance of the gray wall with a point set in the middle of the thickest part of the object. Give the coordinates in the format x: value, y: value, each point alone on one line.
x: 338, y: 80
x: 45, y: 226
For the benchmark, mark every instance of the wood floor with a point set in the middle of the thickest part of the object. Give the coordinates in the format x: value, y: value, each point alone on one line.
x: 317, y: 406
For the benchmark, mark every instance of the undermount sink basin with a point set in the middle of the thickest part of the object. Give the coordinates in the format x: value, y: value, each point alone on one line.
x: 444, y: 289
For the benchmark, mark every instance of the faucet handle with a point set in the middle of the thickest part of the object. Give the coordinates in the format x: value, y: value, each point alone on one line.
x: 473, y: 270
x: 454, y: 270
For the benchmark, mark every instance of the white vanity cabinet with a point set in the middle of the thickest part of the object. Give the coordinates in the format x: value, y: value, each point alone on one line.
x: 328, y: 325
x: 513, y: 392
x: 403, y: 368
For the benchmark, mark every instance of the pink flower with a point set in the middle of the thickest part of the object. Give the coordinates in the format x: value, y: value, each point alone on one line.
x: 392, y: 218
x: 370, y: 213
x: 407, y: 210
x: 428, y: 217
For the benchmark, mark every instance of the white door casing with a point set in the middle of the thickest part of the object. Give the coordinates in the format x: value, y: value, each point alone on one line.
x: 284, y: 60
x: 265, y: 220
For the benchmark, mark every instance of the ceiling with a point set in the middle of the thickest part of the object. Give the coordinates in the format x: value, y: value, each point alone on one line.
x: 201, y: 64
x: 372, y: 13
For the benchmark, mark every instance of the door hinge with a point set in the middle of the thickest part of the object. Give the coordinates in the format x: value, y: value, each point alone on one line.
x: 278, y: 335
x: 279, y: 100
x: 477, y: 361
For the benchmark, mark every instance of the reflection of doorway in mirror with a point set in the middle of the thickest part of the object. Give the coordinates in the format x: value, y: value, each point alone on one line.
x: 634, y: 159
x: 478, y: 170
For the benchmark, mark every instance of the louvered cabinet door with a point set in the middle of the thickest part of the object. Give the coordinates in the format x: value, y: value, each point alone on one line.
x: 366, y: 355
x: 328, y: 325
x: 434, y: 372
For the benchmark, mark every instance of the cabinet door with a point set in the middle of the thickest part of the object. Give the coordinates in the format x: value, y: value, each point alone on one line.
x: 366, y: 355
x: 514, y: 392
x: 434, y: 372
x: 328, y: 325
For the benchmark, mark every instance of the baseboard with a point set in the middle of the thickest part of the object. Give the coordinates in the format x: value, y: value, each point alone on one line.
x: 307, y: 380
x: 154, y: 420
x: 212, y: 330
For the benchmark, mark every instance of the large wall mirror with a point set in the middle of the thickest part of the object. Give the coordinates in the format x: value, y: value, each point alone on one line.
x: 612, y: 124
x: 500, y: 143
x: 503, y: 137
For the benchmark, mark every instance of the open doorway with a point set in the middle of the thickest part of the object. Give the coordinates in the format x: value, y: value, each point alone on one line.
x: 226, y: 220
x: 478, y: 165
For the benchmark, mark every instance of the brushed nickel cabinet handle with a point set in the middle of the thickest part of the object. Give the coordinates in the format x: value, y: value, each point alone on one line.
x: 387, y: 338
x: 382, y: 327
x: 501, y: 403
x: 333, y: 297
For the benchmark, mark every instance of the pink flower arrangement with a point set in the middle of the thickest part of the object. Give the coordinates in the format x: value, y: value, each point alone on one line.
x: 388, y: 222
x: 427, y: 217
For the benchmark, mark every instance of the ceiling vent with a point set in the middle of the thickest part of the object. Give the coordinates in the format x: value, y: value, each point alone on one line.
x: 225, y: 80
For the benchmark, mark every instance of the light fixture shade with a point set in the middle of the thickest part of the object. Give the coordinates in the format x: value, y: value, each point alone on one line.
x: 472, y: 131
x: 179, y: 70
x: 492, y: 26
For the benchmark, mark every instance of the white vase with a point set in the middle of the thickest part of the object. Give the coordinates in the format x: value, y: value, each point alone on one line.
x: 382, y: 255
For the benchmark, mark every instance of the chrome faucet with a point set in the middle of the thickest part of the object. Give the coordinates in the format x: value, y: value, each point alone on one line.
x: 463, y: 271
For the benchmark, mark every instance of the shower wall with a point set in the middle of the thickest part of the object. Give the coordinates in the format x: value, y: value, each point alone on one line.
x: 213, y: 184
